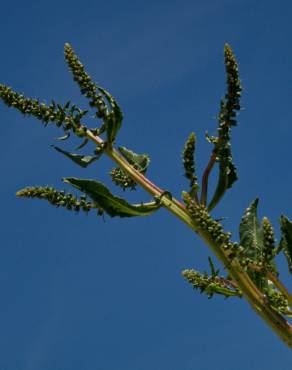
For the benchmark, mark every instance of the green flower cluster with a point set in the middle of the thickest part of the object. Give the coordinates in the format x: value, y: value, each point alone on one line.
x: 68, y: 116
x: 87, y: 86
x: 189, y: 161
x: 201, y: 216
x: 228, y: 107
x: 57, y: 198
x: 211, y: 284
x: 278, y: 301
x: 269, y: 249
x: 122, y: 179
x: 231, y: 101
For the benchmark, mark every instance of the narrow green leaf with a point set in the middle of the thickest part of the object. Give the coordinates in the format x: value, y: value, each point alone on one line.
x: 82, y: 145
x: 226, y: 178
x: 286, y: 239
x: 64, y: 137
x: 81, y: 160
x: 214, y: 272
x: 112, y: 205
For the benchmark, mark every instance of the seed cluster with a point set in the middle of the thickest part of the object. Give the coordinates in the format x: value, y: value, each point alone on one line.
x: 210, y: 284
x: 68, y: 117
x: 269, y: 250
x: 231, y: 101
x: 188, y: 160
x: 87, y: 86
x: 201, y: 216
x: 278, y: 301
x: 122, y: 179
x: 57, y: 198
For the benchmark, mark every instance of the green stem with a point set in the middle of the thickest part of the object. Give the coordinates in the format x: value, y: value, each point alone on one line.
x: 253, y: 295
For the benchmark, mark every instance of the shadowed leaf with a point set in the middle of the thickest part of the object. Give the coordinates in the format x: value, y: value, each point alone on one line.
x: 81, y: 160
x: 112, y: 205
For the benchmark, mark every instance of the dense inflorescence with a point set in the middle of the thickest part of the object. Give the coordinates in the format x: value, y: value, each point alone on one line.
x: 57, y: 198
x: 87, y: 86
x: 122, y: 179
x: 229, y: 105
x: 269, y: 248
x: 68, y: 116
x: 211, y: 284
x: 189, y: 162
x: 203, y: 219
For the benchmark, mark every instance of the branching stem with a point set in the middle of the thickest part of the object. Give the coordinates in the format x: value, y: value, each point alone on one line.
x: 253, y: 295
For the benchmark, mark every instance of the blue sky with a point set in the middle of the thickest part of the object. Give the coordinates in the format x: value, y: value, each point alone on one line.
x: 78, y: 292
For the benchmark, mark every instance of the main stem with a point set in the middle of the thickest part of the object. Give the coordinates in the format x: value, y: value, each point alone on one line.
x: 252, y: 294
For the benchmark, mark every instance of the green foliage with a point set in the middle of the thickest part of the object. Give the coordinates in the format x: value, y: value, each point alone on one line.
x: 251, y: 234
x: 81, y: 160
x: 112, y: 205
x: 251, y: 268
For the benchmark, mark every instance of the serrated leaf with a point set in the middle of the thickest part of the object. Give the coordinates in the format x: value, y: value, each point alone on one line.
x: 286, y: 239
x: 251, y: 238
x: 81, y: 160
x: 251, y: 234
x: 111, y: 204
x: 139, y: 161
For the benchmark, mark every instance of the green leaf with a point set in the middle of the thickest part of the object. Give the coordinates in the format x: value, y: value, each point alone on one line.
x: 81, y: 160
x: 227, y: 177
x: 82, y: 145
x: 214, y: 272
x: 139, y: 161
x: 251, y: 234
x: 286, y: 239
x: 112, y: 205
x: 252, y: 240
x: 115, y: 117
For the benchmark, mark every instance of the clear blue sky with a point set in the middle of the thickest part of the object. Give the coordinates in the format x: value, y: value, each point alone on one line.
x: 80, y: 293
